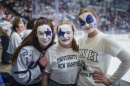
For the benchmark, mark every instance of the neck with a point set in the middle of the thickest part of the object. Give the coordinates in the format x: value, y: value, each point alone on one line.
x: 94, y: 33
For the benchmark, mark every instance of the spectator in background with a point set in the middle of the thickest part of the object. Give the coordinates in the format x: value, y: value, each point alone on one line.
x: 5, y: 36
x: 29, y: 26
x: 31, y: 23
x: 2, y: 15
x: 16, y: 38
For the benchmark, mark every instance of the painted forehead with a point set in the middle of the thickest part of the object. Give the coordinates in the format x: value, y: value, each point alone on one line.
x: 86, y: 15
x: 86, y: 18
x: 65, y: 28
x: 62, y: 29
x: 44, y: 29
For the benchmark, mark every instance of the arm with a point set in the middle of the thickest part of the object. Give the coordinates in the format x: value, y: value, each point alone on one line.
x: 21, y: 69
x: 124, y: 57
x: 5, y: 33
x: 16, y: 39
x: 45, y: 79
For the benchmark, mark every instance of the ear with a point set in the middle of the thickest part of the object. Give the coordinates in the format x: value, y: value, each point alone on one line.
x: 97, y: 19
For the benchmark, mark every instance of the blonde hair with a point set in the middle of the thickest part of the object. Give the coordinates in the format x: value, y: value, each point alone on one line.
x: 74, y: 43
x: 84, y: 10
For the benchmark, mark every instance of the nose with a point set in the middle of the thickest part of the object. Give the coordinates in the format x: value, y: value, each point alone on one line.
x: 44, y: 36
x: 65, y: 35
x: 87, y: 25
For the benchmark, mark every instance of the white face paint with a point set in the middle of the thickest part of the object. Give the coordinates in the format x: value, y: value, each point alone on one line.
x: 88, y: 22
x: 44, y: 34
x: 65, y: 34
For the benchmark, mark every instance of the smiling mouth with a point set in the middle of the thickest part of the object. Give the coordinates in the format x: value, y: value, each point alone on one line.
x: 65, y: 40
x: 87, y: 28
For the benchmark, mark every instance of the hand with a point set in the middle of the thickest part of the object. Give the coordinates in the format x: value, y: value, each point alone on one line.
x: 43, y: 61
x: 99, y: 77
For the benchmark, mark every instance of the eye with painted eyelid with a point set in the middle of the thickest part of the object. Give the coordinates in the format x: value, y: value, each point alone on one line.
x: 68, y: 32
x: 81, y: 22
x: 89, y: 18
x: 41, y: 33
x: 48, y: 32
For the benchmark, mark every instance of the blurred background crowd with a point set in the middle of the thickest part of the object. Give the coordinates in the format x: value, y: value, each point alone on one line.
x: 113, y: 14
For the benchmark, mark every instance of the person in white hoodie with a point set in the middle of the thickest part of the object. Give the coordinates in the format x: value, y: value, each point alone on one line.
x: 95, y: 52
x: 25, y: 70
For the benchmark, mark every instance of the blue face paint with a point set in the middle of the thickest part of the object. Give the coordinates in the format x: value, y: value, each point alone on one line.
x: 82, y: 23
x: 61, y: 33
x: 89, y: 19
x: 48, y: 32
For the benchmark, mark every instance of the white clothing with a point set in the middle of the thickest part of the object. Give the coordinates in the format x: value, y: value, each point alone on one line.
x: 62, y: 64
x: 25, y: 69
x: 7, y: 26
x: 2, y: 16
x: 15, y: 41
x: 95, y: 54
x: 25, y: 33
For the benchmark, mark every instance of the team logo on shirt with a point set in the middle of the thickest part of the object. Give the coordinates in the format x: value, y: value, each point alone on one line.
x: 89, y: 54
x: 67, y: 61
x: 23, y: 52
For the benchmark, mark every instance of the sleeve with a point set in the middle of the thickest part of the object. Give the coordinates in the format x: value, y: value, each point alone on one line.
x: 22, y: 72
x: 16, y: 40
x: 112, y: 47
x: 4, y: 27
x: 48, y: 67
x: 124, y: 57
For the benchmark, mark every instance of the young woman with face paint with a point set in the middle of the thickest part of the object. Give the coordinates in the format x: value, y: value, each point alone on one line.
x: 95, y: 52
x: 25, y: 69
x: 62, y: 58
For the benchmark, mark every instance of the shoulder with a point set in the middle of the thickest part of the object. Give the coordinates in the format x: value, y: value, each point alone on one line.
x: 108, y: 38
x: 25, y: 50
x: 52, y: 48
x: 82, y: 39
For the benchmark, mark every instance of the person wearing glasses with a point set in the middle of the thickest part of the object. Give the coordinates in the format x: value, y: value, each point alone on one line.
x: 62, y: 58
x: 25, y: 69
x: 95, y: 52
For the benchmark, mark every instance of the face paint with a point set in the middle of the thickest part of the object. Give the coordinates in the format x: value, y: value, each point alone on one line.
x: 44, y: 34
x: 88, y: 22
x: 65, y: 34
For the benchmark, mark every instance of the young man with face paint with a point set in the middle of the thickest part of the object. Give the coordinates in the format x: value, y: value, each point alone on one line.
x: 25, y: 69
x: 95, y: 52
x: 62, y: 58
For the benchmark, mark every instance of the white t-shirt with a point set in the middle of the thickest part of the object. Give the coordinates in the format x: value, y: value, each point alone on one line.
x: 27, y: 32
x: 7, y: 26
x: 95, y: 54
x: 15, y: 41
x: 62, y: 64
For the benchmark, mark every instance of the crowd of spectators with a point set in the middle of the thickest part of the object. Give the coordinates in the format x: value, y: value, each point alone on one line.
x: 111, y: 19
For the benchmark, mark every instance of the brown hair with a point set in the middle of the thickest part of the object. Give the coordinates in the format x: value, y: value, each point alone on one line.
x: 16, y: 20
x: 74, y: 43
x: 32, y: 39
x: 84, y: 10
